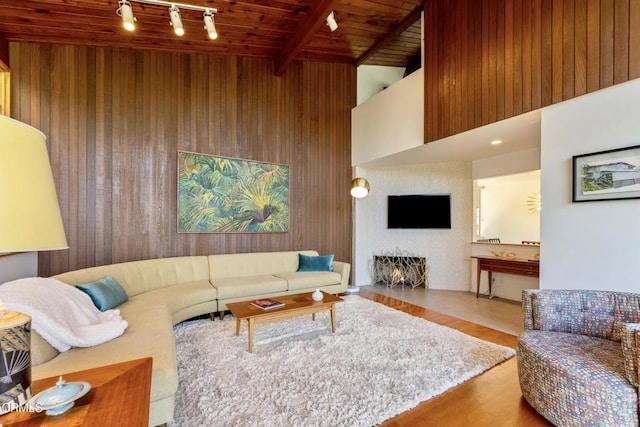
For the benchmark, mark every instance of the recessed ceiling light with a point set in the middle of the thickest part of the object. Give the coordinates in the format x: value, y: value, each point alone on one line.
x: 496, y: 142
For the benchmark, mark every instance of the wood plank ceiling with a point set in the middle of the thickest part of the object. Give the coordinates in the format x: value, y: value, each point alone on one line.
x: 372, y: 32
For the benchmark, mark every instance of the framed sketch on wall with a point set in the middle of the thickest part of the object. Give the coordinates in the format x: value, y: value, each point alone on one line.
x: 228, y: 195
x: 607, y: 175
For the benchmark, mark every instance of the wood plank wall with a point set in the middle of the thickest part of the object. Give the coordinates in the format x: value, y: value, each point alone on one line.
x: 487, y: 60
x: 115, y: 119
x: 5, y: 91
x: 5, y: 98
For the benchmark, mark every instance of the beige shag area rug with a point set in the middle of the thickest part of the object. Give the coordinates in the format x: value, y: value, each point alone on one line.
x: 379, y: 363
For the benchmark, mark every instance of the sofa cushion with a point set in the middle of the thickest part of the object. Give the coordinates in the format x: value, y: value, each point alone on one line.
x: 315, y: 263
x: 137, y: 277
x: 253, y: 264
x: 575, y: 379
x: 41, y: 350
x: 105, y: 293
x: 239, y: 287
x: 308, y: 280
x: 174, y: 298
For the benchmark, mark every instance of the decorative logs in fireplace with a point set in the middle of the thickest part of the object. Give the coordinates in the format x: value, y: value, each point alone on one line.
x: 394, y: 270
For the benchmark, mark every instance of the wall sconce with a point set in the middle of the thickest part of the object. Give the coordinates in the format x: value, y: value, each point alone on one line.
x: 534, y: 203
x: 360, y: 188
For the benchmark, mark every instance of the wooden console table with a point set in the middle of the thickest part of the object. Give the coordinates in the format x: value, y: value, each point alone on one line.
x: 119, y: 396
x: 517, y: 266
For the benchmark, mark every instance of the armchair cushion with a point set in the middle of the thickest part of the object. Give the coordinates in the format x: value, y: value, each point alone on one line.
x: 626, y: 310
x: 586, y: 313
x: 576, y: 380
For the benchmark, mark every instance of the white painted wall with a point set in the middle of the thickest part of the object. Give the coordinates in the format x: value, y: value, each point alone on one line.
x: 390, y: 122
x: 373, y: 79
x: 18, y: 266
x: 447, y: 251
x: 589, y: 245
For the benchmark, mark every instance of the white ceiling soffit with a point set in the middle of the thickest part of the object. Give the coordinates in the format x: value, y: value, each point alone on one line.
x: 517, y: 133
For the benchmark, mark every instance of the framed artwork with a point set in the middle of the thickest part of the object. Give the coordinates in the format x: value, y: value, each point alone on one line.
x: 607, y: 175
x: 227, y: 195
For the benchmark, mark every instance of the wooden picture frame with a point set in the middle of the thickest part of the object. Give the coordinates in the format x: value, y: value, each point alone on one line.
x: 607, y: 175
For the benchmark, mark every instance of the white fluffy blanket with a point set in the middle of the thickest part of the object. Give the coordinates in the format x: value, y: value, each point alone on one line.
x: 64, y: 316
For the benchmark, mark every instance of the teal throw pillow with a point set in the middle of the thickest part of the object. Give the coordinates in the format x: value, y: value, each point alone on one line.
x: 105, y: 293
x: 315, y: 263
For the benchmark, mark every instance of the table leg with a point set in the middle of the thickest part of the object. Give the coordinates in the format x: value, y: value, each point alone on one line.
x: 237, y: 326
x: 489, y: 276
x: 313, y: 317
x: 478, y: 272
x: 251, y: 325
x: 333, y: 318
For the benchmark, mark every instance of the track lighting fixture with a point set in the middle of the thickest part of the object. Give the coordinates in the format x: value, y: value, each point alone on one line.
x: 176, y: 21
x: 331, y: 22
x: 210, y: 25
x: 125, y: 11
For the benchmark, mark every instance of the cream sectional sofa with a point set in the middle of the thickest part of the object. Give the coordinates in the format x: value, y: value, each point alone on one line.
x: 163, y: 292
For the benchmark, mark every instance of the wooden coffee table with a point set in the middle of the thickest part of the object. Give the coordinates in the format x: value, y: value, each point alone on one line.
x: 294, y: 305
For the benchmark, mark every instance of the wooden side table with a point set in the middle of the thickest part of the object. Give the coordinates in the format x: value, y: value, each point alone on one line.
x: 119, y: 396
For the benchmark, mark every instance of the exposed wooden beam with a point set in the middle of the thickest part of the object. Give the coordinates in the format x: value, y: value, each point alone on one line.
x: 406, y: 23
x: 304, y: 31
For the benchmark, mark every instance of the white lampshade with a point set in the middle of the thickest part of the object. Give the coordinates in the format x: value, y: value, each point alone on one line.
x: 30, y: 218
x: 359, y: 188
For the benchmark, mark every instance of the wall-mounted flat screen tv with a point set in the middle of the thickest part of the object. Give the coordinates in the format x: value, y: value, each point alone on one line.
x: 419, y: 211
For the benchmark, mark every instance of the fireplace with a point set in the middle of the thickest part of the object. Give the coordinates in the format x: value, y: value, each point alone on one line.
x: 394, y: 270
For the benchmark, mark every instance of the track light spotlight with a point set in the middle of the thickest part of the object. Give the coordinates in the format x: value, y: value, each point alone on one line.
x: 176, y: 21
x: 210, y: 25
x: 126, y: 12
x: 331, y: 22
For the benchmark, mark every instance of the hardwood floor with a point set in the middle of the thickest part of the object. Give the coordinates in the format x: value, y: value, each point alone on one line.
x: 490, y: 399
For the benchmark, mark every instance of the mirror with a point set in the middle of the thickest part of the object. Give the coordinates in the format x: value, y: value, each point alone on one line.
x: 507, y: 208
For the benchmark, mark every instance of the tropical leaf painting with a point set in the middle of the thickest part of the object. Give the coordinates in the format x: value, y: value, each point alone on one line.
x: 226, y: 195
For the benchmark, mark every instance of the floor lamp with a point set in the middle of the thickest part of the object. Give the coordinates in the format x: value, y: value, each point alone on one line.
x: 359, y: 188
x: 30, y: 220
